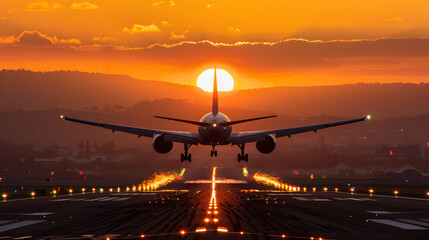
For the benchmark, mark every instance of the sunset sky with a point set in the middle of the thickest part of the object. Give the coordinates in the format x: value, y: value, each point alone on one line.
x: 261, y: 43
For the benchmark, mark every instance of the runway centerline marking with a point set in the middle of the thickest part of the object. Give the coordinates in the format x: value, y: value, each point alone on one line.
x: 397, y: 224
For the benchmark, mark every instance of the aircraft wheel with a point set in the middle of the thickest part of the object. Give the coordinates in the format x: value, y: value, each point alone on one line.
x: 211, y: 153
x: 190, y: 158
x: 238, y: 158
x: 246, y: 157
x: 215, y: 153
x: 181, y: 158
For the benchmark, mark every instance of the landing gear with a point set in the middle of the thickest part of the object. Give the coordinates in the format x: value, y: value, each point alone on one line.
x: 213, y: 152
x: 186, y: 156
x: 241, y: 156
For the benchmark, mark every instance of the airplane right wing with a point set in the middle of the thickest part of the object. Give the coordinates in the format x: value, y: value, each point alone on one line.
x: 174, y: 136
x: 246, y: 137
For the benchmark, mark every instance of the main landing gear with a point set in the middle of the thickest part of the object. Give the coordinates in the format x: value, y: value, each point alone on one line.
x: 214, y: 152
x: 186, y: 156
x: 242, y: 156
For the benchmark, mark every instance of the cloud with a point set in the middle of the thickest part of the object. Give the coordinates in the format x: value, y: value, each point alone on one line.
x: 70, y: 41
x: 210, y: 5
x: 137, y: 28
x: 84, y: 6
x: 34, y: 38
x: 165, y: 23
x: 103, y: 39
x: 170, y: 3
x: 234, y: 29
x: 7, y: 40
x: 42, y: 7
x: 394, y: 19
x: 177, y: 35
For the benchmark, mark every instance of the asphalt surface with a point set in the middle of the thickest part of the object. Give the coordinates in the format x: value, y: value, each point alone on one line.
x: 244, y: 214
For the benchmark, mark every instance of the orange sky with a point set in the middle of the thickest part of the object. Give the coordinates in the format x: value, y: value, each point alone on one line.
x: 261, y: 43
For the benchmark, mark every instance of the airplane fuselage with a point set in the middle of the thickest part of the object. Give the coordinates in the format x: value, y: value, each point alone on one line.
x: 214, y: 134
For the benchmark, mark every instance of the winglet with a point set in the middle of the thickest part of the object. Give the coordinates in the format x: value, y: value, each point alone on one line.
x: 215, y: 95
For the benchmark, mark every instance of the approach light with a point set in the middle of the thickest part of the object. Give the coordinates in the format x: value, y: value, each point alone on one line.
x: 182, y: 232
x: 33, y: 194
x: 214, y: 125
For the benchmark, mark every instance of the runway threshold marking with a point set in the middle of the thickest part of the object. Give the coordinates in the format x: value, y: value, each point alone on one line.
x: 398, y: 224
x: 301, y: 198
x: 37, y: 214
x: 11, y: 226
x: 412, y: 221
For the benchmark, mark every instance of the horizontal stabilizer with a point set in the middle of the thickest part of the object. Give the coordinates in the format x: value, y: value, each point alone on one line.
x: 245, y: 120
x: 202, y: 124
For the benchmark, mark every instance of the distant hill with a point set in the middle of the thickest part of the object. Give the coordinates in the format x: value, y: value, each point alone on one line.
x: 93, y: 91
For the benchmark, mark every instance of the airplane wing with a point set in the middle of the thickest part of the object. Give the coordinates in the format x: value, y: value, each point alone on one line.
x: 174, y: 136
x: 246, y: 137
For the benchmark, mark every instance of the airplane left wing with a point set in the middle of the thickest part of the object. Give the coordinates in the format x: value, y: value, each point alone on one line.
x: 246, y: 137
x: 174, y: 136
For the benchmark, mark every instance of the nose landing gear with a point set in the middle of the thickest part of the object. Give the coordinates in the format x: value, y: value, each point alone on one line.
x: 186, y: 156
x: 213, y: 152
x: 242, y: 156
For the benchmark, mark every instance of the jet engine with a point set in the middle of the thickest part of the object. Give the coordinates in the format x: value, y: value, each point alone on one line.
x: 160, y: 145
x: 268, y: 145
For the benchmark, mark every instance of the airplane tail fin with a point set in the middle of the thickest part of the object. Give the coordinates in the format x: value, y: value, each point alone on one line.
x: 215, y: 109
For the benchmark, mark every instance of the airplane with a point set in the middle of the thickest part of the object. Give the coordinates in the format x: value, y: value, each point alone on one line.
x: 214, y: 129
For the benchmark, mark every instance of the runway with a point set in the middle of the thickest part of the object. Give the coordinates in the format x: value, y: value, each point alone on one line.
x: 189, y: 213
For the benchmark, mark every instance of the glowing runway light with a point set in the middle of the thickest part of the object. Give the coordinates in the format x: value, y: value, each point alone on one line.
x: 206, y: 220
x: 4, y: 196
x: 93, y: 190
x: 283, y: 236
x: 325, y: 189
x: 142, y: 236
x: 241, y: 232
x: 127, y: 189
x: 158, y: 180
x: 203, y: 229
x: 33, y: 194
x: 215, y: 220
x: 222, y: 229
x: 245, y: 172
x: 110, y: 189
x: 70, y: 191
x: 101, y: 190
x: 182, y: 232
x: 83, y: 190
x: 336, y: 189
x: 304, y: 189
x: 371, y: 191
x: 395, y: 192
x: 314, y: 189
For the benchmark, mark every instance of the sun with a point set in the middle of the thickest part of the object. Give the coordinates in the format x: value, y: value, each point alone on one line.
x: 225, y: 82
